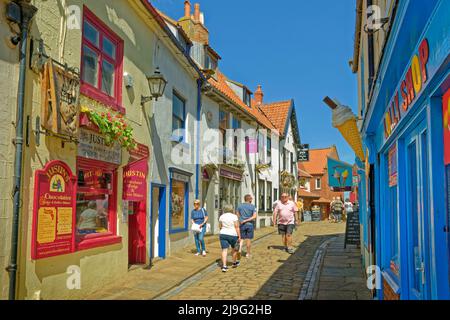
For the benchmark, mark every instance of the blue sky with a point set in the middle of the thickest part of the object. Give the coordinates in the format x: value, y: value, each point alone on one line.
x: 294, y: 48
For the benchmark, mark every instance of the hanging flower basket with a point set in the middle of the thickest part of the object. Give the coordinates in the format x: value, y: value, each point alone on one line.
x: 113, y: 127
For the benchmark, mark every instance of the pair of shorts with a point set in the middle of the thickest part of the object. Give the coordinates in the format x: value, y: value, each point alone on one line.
x: 286, y: 228
x: 227, y: 241
x: 247, y: 231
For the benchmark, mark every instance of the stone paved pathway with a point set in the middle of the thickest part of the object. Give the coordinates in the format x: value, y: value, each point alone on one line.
x: 341, y: 276
x: 271, y: 273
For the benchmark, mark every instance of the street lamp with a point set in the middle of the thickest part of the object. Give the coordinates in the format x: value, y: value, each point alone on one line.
x: 157, y: 84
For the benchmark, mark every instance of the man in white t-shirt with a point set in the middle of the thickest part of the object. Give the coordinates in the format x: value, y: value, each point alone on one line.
x: 229, y: 235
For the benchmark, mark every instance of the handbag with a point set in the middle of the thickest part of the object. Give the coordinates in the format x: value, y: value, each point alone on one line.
x: 208, y: 225
x: 195, y: 228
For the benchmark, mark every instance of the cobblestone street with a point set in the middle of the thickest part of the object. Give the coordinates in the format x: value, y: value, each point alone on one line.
x: 319, y: 269
x: 272, y: 273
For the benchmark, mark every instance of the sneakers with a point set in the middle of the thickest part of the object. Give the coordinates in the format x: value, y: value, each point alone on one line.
x: 236, y: 264
x: 204, y: 253
x: 197, y: 254
x: 290, y: 250
x: 248, y: 255
x: 224, y: 269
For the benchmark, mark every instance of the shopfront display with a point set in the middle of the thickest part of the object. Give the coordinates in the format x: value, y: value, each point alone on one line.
x: 179, y: 200
x: 229, y: 187
x: 53, y: 214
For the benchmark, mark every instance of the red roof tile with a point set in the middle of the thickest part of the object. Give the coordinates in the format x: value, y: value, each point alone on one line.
x: 318, y: 160
x: 278, y: 113
x: 306, y: 194
x: 221, y: 85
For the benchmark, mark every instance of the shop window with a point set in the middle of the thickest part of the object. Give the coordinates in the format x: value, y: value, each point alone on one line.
x: 392, y: 225
x: 101, y: 62
x: 261, y: 195
x: 178, y: 117
x: 179, y: 206
x: 96, y: 204
x: 269, y: 195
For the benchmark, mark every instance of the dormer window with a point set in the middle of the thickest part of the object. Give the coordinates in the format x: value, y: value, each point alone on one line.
x: 211, y: 63
x: 247, y: 97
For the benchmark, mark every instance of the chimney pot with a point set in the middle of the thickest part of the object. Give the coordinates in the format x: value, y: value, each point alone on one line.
x: 187, y: 9
x: 259, y: 95
x: 197, y: 12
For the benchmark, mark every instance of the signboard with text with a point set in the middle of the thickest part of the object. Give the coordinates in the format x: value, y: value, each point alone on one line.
x: 93, y: 146
x: 135, y: 181
x: 303, y: 153
x: 53, y: 230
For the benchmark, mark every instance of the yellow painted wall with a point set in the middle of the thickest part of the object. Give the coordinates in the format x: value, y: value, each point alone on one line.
x: 46, y: 278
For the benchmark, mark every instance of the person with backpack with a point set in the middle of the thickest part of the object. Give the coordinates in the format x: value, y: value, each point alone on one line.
x: 338, y: 208
x: 199, y: 217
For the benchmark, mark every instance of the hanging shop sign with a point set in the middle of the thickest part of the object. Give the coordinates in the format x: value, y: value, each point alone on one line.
x: 303, y: 153
x: 60, y: 91
x: 446, y: 120
x: 135, y: 181
x: 340, y: 175
x: 92, y: 145
x: 393, y: 168
x: 410, y: 88
x: 230, y: 174
x: 54, y: 210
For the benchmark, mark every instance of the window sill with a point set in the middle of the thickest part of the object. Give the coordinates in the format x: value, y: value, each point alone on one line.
x: 95, y: 241
x: 93, y: 93
x: 175, y: 231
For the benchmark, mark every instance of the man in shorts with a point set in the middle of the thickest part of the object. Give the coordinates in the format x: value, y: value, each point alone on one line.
x: 285, y: 217
x: 247, y: 216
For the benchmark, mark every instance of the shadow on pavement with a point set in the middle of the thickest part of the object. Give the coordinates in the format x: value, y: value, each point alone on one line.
x: 287, y: 281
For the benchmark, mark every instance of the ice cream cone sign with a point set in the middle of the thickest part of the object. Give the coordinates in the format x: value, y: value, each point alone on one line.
x: 345, y: 121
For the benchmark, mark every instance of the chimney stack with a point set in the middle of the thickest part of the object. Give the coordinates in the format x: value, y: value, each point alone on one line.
x: 187, y: 9
x: 197, y: 12
x: 259, y: 95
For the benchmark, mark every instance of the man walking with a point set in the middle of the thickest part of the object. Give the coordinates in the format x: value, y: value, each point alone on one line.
x: 285, y: 216
x: 247, y: 216
x: 338, y: 208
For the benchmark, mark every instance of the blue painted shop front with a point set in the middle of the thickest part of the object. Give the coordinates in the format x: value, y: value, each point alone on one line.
x: 403, y: 132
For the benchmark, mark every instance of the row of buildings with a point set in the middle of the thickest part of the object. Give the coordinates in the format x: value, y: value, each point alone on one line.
x: 402, y: 61
x: 116, y: 118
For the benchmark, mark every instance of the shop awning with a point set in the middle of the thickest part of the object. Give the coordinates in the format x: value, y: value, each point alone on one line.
x: 322, y: 200
x: 306, y: 194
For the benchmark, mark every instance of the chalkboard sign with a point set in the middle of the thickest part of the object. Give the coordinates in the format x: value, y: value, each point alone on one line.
x: 315, y: 216
x: 352, y: 229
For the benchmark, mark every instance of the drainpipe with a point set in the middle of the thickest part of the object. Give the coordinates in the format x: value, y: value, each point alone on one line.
x: 27, y: 13
x: 197, y: 165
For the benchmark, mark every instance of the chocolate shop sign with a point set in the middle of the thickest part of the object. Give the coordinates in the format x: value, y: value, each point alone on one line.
x: 92, y: 146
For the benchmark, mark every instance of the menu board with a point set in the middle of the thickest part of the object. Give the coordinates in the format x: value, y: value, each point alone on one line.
x: 352, y: 229
x: 54, y: 211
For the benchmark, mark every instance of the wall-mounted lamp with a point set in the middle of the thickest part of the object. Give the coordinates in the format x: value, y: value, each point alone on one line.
x: 157, y: 85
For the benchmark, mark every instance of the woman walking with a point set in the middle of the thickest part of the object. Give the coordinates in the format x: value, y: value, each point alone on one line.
x: 199, y: 216
x: 229, y: 235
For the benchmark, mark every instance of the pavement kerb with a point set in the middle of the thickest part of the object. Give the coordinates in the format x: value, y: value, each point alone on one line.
x: 210, y: 265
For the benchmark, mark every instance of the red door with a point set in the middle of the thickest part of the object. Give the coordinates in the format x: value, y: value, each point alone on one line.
x: 137, y: 233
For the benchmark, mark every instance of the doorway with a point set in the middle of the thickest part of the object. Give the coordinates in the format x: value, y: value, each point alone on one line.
x: 158, y: 221
x: 417, y: 206
x: 137, y: 226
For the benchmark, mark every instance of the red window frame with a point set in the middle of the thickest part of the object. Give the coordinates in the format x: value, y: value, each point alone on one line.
x: 86, y: 88
x: 97, y: 240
